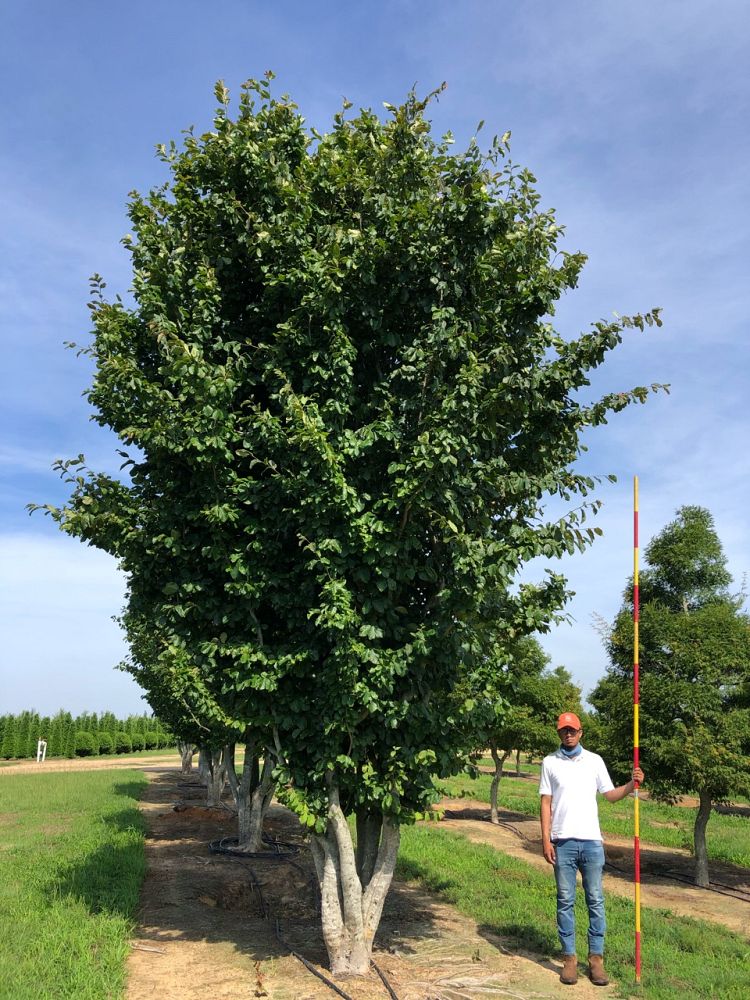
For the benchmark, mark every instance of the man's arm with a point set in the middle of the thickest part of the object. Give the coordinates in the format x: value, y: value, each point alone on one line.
x: 619, y: 793
x: 545, y: 815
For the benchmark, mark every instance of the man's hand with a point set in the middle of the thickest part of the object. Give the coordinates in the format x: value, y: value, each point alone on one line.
x: 638, y: 775
x: 548, y: 850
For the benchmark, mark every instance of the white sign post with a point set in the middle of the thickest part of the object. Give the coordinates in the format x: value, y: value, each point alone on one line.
x: 41, y: 751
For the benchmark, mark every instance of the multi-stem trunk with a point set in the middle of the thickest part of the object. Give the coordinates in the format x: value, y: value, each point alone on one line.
x: 353, y: 884
x: 252, y: 795
x: 699, y: 840
x: 499, y: 759
x: 214, y: 775
x: 186, y: 750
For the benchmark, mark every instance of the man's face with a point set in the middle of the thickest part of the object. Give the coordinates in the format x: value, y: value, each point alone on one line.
x: 569, y: 737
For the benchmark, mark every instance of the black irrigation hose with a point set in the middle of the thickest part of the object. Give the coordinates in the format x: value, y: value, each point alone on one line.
x: 308, y: 965
x: 724, y: 890
x: 221, y: 847
x: 383, y: 980
x: 225, y: 846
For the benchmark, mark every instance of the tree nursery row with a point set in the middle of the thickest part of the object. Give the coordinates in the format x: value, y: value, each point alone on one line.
x: 80, y: 736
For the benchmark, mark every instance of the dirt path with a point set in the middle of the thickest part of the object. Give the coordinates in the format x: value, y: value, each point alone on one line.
x: 93, y: 763
x: 520, y: 837
x: 202, y: 932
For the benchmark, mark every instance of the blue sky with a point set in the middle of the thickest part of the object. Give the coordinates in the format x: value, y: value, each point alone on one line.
x: 633, y: 118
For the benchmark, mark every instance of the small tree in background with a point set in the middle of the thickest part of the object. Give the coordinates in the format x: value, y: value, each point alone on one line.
x: 85, y: 744
x: 519, y: 706
x: 8, y: 747
x: 694, y: 675
x: 122, y: 742
x: 106, y: 742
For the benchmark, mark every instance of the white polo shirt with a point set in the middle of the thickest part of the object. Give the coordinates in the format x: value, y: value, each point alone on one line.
x: 573, y: 783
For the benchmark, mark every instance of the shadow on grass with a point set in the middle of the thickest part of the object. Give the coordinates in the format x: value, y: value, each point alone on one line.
x: 133, y: 789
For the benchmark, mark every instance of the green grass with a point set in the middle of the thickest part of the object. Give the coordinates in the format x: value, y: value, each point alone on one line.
x: 682, y: 958
x: 71, y: 866
x: 727, y: 837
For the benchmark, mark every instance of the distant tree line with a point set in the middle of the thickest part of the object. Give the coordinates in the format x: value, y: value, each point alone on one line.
x: 84, y: 735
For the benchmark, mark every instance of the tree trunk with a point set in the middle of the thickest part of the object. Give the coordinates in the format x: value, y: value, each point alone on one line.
x: 699, y: 840
x: 203, y: 766
x: 499, y: 761
x: 215, y: 777
x: 353, y: 886
x: 518, y: 763
x: 186, y: 750
x: 252, y: 796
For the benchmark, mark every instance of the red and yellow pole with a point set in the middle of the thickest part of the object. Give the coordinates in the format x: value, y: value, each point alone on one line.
x: 636, y: 749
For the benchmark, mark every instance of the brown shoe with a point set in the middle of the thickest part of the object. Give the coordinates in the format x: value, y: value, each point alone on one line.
x: 569, y: 974
x: 597, y: 975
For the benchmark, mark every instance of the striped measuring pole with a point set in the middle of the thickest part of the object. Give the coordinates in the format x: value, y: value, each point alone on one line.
x: 636, y: 748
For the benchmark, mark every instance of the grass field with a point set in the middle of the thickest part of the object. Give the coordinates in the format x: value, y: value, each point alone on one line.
x: 71, y: 865
x: 510, y: 898
x: 727, y: 837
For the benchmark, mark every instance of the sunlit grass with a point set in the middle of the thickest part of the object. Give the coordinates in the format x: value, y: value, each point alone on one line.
x: 516, y: 901
x: 71, y: 866
x: 727, y: 837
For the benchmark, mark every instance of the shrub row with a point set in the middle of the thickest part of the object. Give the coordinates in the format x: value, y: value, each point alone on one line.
x: 65, y: 734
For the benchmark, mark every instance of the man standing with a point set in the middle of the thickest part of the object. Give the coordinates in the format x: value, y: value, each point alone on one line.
x: 572, y: 840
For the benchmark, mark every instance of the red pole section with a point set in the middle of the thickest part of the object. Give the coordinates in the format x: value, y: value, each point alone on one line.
x: 636, y: 740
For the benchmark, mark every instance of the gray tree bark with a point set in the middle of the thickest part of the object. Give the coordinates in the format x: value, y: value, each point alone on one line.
x: 215, y: 776
x: 252, y: 795
x: 186, y: 750
x: 699, y: 840
x: 499, y: 759
x: 353, y: 885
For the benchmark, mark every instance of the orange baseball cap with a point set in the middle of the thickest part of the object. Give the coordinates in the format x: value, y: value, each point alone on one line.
x: 568, y: 719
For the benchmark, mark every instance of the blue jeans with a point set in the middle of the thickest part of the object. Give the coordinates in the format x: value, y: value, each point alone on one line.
x: 586, y: 856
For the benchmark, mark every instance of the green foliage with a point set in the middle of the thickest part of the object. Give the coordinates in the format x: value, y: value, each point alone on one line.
x: 8, y: 746
x: 339, y: 369
x: 122, y: 742
x: 86, y: 744
x: 694, y: 668
x: 515, y: 704
x: 106, y: 742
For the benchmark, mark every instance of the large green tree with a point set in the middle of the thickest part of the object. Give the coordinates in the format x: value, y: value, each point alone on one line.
x: 343, y: 404
x: 694, y: 654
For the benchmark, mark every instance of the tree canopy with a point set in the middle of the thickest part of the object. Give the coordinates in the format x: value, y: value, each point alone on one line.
x: 343, y: 405
x: 694, y: 641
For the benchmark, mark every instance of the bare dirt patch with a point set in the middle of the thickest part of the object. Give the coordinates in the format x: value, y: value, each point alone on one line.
x: 202, y: 930
x: 520, y: 837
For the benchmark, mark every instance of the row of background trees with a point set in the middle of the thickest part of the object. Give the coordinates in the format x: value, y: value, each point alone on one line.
x: 81, y: 735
